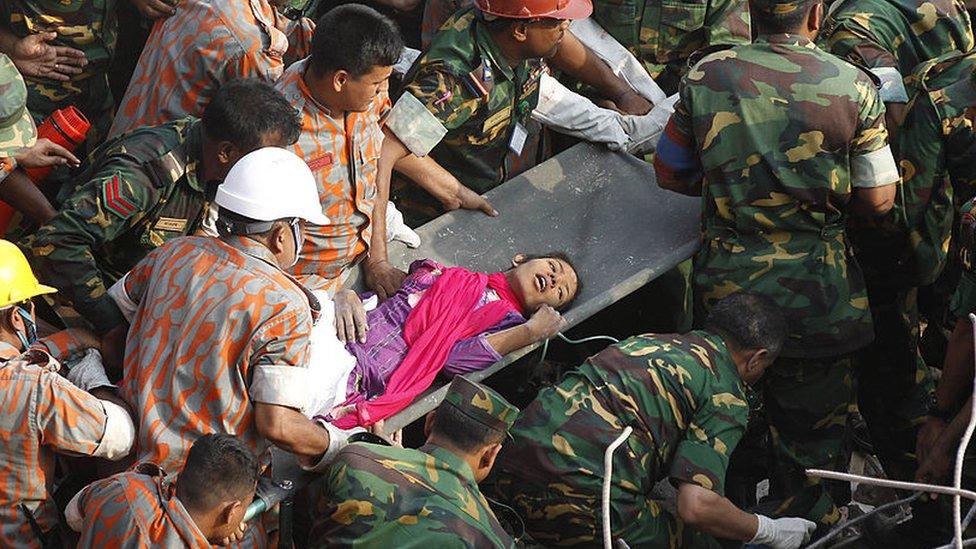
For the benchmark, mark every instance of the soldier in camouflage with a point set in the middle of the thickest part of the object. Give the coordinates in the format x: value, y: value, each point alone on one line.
x: 663, y: 34
x: 685, y: 397
x: 783, y: 140
x: 480, y: 81
x: 379, y: 496
x: 148, y: 187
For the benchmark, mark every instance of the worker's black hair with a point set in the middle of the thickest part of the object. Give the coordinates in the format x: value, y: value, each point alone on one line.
x: 461, y: 431
x: 564, y: 257
x: 354, y: 38
x: 778, y: 23
x: 245, y: 110
x: 748, y: 321
x: 218, y: 468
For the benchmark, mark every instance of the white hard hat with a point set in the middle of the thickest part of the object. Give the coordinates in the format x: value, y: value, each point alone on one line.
x: 269, y: 184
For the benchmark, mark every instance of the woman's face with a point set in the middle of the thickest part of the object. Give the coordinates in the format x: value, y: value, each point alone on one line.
x: 544, y: 281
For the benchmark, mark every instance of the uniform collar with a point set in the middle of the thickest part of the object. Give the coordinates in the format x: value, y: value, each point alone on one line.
x: 171, y: 505
x: 193, y: 148
x: 251, y: 247
x: 489, y: 49
x: 307, y: 96
x: 786, y: 38
x: 453, y: 461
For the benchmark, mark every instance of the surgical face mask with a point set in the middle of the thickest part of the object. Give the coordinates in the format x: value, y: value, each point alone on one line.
x: 296, y: 231
x: 31, y: 336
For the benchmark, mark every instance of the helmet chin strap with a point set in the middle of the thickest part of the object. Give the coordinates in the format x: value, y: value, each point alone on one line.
x: 27, y: 339
x: 296, y: 231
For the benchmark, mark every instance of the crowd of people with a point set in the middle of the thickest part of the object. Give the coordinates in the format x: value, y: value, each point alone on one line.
x: 182, y: 216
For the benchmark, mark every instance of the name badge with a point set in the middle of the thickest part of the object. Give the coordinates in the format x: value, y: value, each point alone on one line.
x: 517, y: 142
x: 323, y: 161
x: 170, y: 224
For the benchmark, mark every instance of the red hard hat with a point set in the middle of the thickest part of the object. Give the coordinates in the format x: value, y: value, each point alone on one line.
x: 530, y: 9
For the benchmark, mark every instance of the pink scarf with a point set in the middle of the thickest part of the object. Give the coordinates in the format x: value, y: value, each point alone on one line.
x: 445, y: 314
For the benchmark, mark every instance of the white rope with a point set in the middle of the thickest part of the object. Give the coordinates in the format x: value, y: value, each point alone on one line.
x: 960, y: 457
x: 955, y: 491
x: 607, y: 477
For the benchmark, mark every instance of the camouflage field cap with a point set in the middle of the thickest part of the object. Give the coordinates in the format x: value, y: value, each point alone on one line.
x: 16, y: 125
x: 778, y: 7
x: 480, y: 404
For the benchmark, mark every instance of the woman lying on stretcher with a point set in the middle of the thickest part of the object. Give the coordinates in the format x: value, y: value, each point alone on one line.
x: 380, y: 357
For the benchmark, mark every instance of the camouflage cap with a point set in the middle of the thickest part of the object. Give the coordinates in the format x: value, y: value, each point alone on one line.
x: 480, y: 404
x: 16, y: 125
x: 777, y: 7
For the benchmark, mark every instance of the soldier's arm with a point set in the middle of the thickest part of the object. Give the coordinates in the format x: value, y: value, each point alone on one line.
x: 677, y: 165
x: 874, y: 173
x: 578, y: 61
x: 448, y: 105
x: 17, y: 190
x: 728, y: 22
x: 73, y: 421
x: 63, y: 251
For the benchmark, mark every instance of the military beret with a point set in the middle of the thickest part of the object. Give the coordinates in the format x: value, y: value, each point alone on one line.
x: 778, y: 7
x: 480, y: 404
x: 16, y: 125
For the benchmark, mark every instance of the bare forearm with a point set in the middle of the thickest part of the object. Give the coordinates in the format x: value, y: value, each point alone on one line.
x: 24, y: 196
x: 290, y: 430
x: 430, y: 176
x: 957, y: 371
x: 714, y: 514
x: 576, y: 60
x: 7, y: 39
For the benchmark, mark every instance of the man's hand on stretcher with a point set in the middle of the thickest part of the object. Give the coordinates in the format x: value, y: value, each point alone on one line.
x: 350, y: 317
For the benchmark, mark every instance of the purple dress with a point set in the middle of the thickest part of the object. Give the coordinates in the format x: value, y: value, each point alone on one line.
x: 385, y: 348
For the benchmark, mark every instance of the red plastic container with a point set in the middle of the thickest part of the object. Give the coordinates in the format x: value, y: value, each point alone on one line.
x: 66, y: 127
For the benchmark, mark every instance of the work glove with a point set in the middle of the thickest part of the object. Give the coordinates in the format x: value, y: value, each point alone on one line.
x: 783, y: 533
x: 338, y: 439
x: 87, y: 372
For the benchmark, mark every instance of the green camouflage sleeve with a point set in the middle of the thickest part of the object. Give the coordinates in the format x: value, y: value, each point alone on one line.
x: 63, y: 252
x: 872, y: 164
x: 854, y: 43
x: 444, y: 95
x: 729, y: 23
x: 713, y: 433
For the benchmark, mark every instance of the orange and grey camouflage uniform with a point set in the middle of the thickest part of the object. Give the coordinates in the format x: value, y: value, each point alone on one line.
x: 343, y: 154
x: 217, y: 327
x: 205, y: 44
x: 135, y: 509
x: 41, y: 414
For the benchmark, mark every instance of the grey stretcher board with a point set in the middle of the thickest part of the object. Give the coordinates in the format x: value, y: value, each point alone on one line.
x: 602, y: 208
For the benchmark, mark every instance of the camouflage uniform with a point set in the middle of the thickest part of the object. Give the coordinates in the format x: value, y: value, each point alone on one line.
x: 17, y: 131
x: 663, y: 34
x: 141, y: 191
x: 87, y: 25
x: 896, y: 33
x: 379, y: 496
x: 776, y: 160
x: 135, y: 509
x: 465, y: 82
x: 686, y: 403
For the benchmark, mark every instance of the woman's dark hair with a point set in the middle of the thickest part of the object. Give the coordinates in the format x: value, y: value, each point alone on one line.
x: 564, y: 257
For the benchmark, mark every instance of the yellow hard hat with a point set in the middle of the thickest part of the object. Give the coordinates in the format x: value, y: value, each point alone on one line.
x: 17, y: 281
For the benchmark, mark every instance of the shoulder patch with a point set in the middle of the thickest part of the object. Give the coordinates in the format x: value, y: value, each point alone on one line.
x: 115, y: 197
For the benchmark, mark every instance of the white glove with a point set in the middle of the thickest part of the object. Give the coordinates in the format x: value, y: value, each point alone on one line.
x: 644, y: 131
x: 783, y: 533
x: 338, y: 439
x: 87, y: 372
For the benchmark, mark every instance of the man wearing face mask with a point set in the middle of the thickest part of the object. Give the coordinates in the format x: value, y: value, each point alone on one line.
x: 43, y: 413
x: 148, y: 187
x: 218, y: 341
